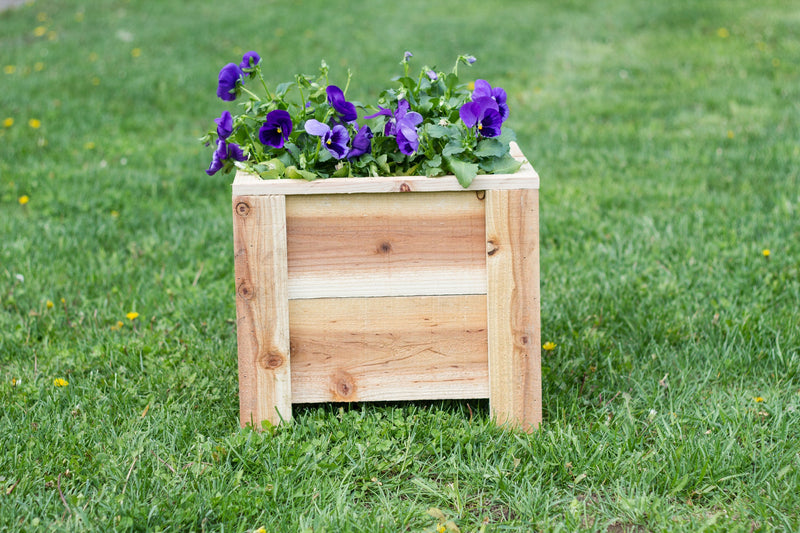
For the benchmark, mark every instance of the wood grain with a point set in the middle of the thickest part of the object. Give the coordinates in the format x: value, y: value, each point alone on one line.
x: 368, y: 349
x: 512, y: 237
x: 385, y: 245
x: 262, y: 314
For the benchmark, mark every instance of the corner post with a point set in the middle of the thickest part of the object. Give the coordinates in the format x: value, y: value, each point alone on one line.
x: 262, y: 309
x: 513, y: 307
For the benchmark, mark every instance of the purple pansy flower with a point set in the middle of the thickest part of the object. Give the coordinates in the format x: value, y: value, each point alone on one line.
x: 276, y: 129
x: 484, y: 90
x: 403, y: 125
x: 224, y: 125
x: 483, y: 114
x: 344, y: 109
x: 335, y: 140
x: 229, y: 76
x: 362, y: 142
x: 408, y: 55
x: 471, y: 59
x: 249, y: 61
x: 432, y: 75
x: 223, y: 152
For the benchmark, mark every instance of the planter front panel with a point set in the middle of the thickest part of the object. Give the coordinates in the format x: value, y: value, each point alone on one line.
x: 400, y: 244
x: 393, y: 348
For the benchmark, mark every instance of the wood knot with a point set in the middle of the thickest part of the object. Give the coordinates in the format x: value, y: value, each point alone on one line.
x: 242, y: 209
x: 244, y: 290
x: 384, y: 247
x: 491, y: 247
x: 405, y: 187
x: 344, y: 387
x: 480, y: 195
x: 272, y: 360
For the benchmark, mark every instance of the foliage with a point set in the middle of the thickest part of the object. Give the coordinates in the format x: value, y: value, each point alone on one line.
x: 306, y: 129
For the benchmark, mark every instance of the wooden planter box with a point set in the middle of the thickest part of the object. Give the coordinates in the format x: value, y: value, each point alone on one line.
x: 395, y: 288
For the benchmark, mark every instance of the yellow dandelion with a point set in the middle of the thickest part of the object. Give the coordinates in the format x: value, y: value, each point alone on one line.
x: 723, y: 33
x: 7, y: 123
x: 136, y: 52
x: 23, y: 199
x: 38, y: 66
x: 132, y: 315
x: 39, y: 31
x: 758, y: 399
x: 63, y: 301
x: 15, y: 382
x: 49, y: 304
x: 60, y: 382
x: 765, y: 252
x: 731, y: 135
x: 260, y: 530
x: 549, y: 346
x: 35, y: 123
x: 115, y: 214
x: 89, y: 146
x: 441, y: 528
x: 41, y: 16
x: 10, y: 69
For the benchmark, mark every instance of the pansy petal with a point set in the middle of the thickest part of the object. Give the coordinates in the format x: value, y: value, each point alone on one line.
x: 469, y: 113
x: 383, y: 112
x: 412, y: 118
x: 235, y: 152
x: 316, y: 128
x: 402, y: 108
x: 482, y: 90
x: 224, y: 125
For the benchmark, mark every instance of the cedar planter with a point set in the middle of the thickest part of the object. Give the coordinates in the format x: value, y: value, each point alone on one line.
x: 395, y: 288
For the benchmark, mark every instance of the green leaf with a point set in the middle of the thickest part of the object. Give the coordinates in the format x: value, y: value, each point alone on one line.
x: 506, y: 136
x: 283, y: 88
x: 452, y: 148
x: 491, y: 148
x: 383, y: 165
x: 451, y: 81
x: 341, y: 172
x: 437, y: 132
x: 297, y: 174
x: 500, y: 165
x: 464, y: 172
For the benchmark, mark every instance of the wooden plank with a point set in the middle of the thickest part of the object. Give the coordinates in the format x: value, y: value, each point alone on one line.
x: 386, y: 245
x: 512, y: 236
x: 370, y: 349
x: 259, y: 236
x: 525, y: 178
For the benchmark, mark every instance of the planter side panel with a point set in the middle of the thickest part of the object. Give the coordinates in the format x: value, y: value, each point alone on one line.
x: 393, y: 348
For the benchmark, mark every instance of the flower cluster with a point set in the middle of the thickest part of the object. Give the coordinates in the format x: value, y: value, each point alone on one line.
x: 432, y: 124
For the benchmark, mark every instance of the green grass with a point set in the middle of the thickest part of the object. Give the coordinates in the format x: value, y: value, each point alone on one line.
x: 669, y: 152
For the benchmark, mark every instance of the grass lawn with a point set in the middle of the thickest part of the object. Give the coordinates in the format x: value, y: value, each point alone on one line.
x: 667, y: 136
